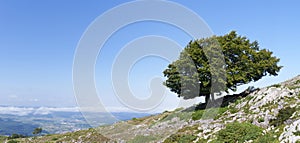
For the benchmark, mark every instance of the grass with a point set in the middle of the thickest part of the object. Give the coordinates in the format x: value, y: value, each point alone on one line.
x: 13, y: 141
x: 142, y: 139
x: 189, y: 129
x: 2, y: 138
x: 211, y: 113
x: 181, y: 115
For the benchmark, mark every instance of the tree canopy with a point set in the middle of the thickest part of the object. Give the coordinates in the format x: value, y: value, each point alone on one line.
x: 206, y: 64
x: 37, y: 131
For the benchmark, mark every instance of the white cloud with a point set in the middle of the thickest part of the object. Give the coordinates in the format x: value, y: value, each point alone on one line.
x: 16, y: 111
x: 22, y: 111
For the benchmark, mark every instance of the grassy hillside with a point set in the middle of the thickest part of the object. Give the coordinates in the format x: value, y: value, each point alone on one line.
x: 266, y: 115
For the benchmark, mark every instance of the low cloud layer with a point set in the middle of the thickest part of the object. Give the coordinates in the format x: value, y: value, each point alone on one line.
x: 23, y: 111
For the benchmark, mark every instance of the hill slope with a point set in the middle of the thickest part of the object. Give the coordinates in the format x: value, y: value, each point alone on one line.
x: 269, y: 114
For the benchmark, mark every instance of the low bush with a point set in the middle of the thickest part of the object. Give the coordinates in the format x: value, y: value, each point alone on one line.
x: 261, y: 120
x: 238, y: 132
x: 297, y: 133
x: 15, y: 136
x: 180, y: 138
x: 276, y: 85
x: 267, y: 138
x: 282, y: 116
x: 12, y: 141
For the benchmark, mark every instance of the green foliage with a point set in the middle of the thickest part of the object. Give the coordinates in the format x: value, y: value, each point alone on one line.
x: 142, y: 139
x: 211, y: 113
x: 180, y: 138
x: 37, y: 131
x: 233, y: 110
x: 12, y: 141
x: 197, y: 114
x: 297, y: 133
x: 204, y: 58
x: 282, y: 116
x: 267, y: 138
x: 238, y: 132
x: 15, y: 136
x: 189, y: 129
x: 276, y: 85
x: 293, y: 87
x: 261, y: 120
x: 297, y: 82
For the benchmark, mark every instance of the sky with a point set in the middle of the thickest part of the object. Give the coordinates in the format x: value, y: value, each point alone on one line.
x: 38, y: 41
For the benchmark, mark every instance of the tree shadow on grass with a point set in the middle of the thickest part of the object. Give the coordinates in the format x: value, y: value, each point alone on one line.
x: 223, y: 101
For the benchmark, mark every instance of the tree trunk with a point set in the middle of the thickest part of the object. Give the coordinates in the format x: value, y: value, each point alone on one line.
x: 207, y: 98
x: 210, y: 100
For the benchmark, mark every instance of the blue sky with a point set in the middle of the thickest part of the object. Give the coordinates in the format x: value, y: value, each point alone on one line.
x: 38, y: 41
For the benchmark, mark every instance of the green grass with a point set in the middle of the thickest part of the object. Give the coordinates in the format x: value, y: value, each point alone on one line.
x: 267, y: 138
x: 142, y: 139
x: 2, y: 138
x: 211, y: 113
x: 181, y: 115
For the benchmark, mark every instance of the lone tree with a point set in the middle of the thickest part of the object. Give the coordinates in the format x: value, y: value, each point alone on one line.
x: 243, y: 61
x: 37, y: 131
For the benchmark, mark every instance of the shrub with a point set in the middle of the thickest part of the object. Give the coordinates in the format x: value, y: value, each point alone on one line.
x: 297, y: 133
x: 282, y: 116
x: 197, y: 114
x: 238, y: 132
x: 267, y: 138
x: 233, y: 110
x: 12, y: 141
x: 180, y: 138
x: 54, y: 139
x: 15, y: 136
x: 276, y: 85
x: 261, y: 120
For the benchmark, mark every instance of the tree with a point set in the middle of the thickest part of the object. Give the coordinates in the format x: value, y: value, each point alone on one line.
x: 37, y: 131
x: 206, y: 62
